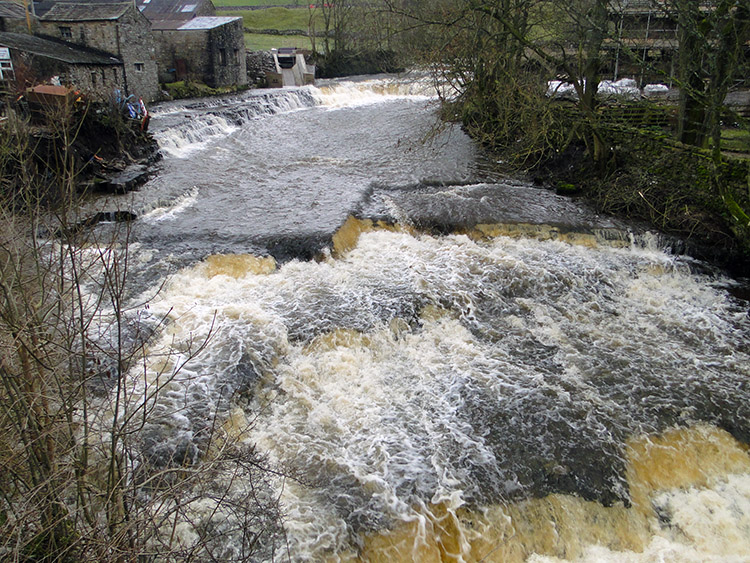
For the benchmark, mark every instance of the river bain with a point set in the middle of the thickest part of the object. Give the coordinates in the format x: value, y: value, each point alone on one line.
x: 471, y: 369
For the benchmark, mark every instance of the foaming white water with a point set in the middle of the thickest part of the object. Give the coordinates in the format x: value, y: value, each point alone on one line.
x: 194, y: 135
x: 422, y: 371
x: 174, y: 208
x: 360, y: 93
x: 182, y: 128
x: 264, y: 102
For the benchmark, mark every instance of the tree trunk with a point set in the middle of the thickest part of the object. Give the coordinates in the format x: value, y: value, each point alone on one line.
x: 691, y: 128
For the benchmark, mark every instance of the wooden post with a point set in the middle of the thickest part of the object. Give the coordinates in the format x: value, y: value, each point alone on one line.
x: 26, y: 9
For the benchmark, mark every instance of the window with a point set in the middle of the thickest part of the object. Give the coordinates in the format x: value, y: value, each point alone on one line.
x: 187, y: 8
x: 237, y: 56
x: 138, y: 67
x: 66, y: 32
x: 223, y: 57
x: 6, y: 70
x: 93, y: 79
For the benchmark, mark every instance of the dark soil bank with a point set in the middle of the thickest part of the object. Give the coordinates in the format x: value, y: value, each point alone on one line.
x: 88, y: 147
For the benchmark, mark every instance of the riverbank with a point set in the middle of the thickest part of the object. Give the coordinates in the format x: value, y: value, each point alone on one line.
x: 673, y: 187
x: 647, y: 176
x: 87, y: 147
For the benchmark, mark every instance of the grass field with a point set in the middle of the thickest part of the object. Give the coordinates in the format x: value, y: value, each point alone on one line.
x: 263, y: 42
x: 276, y: 18
x: 735, y: 140
x: 282, y: 19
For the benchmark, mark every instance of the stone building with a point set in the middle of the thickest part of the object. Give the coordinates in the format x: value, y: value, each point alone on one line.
x: 209, y: 49
x: 116, y: 29
x: 195, y: 43
x: 645, y: 41
x: 32, y: 60
x: 191, y: 41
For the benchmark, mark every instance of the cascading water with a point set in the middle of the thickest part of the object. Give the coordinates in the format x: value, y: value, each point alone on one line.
x: 536, y: 383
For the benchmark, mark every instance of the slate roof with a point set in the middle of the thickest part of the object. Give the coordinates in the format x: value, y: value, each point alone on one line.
x: 57, y: 50
x: 199, y: 23
x: 181, y: 8
x: 208, y: 22
x: 152, y: 9
x: 12, y: 10
x: 69, y: 12
x: 166, y: 25
x: 174, y: 9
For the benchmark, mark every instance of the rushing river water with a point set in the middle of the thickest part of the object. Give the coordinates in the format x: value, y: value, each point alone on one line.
x: 471, y: 369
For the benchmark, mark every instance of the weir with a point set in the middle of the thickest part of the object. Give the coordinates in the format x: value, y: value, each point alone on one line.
x: 466, y: 368
x: 291, y: 69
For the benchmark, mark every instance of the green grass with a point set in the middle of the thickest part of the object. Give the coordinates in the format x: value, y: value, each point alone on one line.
x: 282, y: 19
x: 262, y: 42
x: 183, y: 89
x: 736, y: 140
x: 276, y: 18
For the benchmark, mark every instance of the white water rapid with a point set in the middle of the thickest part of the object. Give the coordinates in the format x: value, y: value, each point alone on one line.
x: 443, y: 365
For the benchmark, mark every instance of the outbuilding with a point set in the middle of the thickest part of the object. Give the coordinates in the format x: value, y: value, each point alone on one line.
x: 210, y: 49
x: 28, y: 60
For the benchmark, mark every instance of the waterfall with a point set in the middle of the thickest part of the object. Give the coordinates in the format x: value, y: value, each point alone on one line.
x: 442, y: 365
x: 183, y: 127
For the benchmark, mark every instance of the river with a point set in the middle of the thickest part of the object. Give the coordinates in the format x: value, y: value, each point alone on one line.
x: 443, y: 364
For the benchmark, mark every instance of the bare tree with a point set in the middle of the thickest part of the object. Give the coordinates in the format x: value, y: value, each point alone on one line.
x: 500, y: 50
x: 75, y: 480
x: 712, y: 39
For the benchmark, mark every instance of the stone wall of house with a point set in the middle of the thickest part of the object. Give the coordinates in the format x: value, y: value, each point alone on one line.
x: 138, y: 53
x: 101, y: 35
x: 227, y: 52
x: 15, y: 25
x: 97, y: 82
x: 183, y: 51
